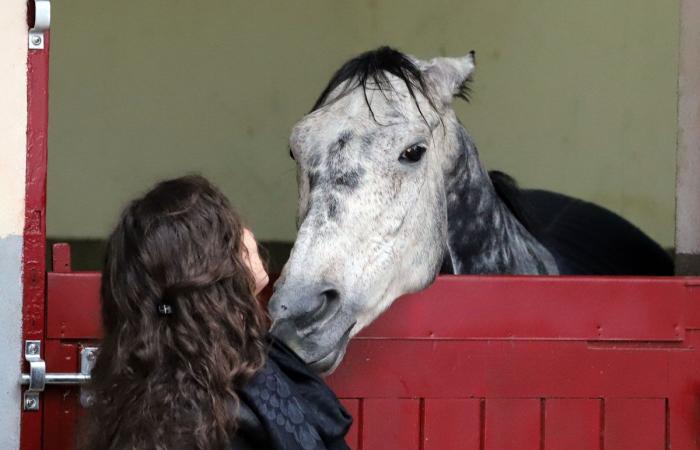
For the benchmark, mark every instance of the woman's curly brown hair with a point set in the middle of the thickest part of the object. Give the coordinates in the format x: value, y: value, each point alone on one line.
x: 182, y: 327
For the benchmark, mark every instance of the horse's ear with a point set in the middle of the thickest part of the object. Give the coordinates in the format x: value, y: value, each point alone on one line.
x: 449, y: 77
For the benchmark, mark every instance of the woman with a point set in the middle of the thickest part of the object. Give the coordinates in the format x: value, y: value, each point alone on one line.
x: 185, y: 362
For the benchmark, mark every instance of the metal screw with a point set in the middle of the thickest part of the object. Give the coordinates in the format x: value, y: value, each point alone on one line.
x: 33, y: 349
x: 30, y: 403
x: 36, y: 40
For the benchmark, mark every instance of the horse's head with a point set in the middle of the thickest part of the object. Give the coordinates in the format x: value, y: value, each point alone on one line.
x: 372, y: 162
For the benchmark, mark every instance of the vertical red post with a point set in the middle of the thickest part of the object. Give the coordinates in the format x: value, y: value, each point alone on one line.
x: 34, y: 251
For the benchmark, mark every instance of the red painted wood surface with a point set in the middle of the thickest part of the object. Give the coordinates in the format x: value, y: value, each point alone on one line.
x: 635, y: 423
x: 629, y: 309
x: 606, y: 309
x: 61, y: 403
x: 572, y: 424
x: 391, y: 424
x: 488, y: 363
x: 452, y: 424
x: 34, y: 246
x: 513, y: 424
x: 73, y: 306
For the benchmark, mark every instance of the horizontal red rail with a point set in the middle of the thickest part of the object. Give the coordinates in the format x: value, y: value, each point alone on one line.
x: 465, y: 307
x: 569, y: 308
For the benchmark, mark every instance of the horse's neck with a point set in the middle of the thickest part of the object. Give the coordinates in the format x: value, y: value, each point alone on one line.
x: 483, y: 235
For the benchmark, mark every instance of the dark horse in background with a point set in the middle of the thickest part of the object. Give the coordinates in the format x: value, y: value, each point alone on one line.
x: 392, y: 192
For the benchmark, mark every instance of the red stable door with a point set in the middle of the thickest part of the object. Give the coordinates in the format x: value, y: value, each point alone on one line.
x: 476, y: 363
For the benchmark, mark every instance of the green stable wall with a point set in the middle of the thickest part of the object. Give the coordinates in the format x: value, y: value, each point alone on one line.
x: 577, y: 97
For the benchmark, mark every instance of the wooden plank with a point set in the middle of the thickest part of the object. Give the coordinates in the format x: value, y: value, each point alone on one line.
x: 352, y: 405
x: 635, y: 424
x: 61, y: 403
x: 565, y: 308
x: 452, y: 424
x: 390, y: 424
x: 572, y: 424
x: 61, y: 258
x: 515, y: 369
x: 73, y: 306
x: 512, y: 424
x: 507, y: 307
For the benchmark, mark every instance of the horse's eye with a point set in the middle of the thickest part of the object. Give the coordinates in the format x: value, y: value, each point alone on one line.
x: 291, y: 154
x: 412, y: 154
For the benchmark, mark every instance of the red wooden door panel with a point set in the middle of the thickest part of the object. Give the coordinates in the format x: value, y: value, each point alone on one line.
x: 513, y: 424
x: 572, y: 424
x: 452, y: 424
x: 635, y: 424
x: 390, y: 424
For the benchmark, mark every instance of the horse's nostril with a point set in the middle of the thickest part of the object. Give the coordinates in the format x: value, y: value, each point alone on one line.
x: 331, y: 294
x: 326, y: 304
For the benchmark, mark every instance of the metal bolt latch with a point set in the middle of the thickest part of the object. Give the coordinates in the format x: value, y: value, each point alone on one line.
x: 37, y: 378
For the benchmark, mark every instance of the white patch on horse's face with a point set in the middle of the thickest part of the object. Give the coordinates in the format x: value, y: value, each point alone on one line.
x: 372, y: 224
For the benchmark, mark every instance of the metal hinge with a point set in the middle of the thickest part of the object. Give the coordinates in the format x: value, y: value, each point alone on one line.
x: 42, y: 22
x: 37, y: 378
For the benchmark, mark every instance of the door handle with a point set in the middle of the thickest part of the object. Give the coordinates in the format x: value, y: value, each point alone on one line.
x: 37, y: 378
x: 42, y: 22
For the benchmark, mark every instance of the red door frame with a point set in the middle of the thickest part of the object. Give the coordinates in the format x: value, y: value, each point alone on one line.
x: 34, y: 247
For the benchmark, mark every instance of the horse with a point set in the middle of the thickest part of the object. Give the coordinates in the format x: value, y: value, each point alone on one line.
x: 392, y: 193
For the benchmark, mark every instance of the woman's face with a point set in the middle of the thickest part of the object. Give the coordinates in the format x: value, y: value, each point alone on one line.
x: 257, y: 268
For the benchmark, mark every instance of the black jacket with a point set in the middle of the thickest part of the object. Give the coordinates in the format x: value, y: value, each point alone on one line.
x: 286, y: 406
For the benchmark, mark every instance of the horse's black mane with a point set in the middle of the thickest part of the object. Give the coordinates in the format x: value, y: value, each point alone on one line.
x: 374, y: 67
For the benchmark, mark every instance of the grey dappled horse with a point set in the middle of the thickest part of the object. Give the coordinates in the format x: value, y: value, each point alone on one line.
x: 392, y: 192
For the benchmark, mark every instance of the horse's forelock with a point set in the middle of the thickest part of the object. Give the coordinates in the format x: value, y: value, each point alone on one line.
x: 373, y: 68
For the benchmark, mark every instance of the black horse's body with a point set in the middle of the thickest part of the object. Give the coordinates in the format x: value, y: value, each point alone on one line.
x: 584, y: 238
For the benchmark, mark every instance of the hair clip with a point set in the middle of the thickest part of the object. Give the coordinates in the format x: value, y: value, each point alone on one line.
x: 164, y: 309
